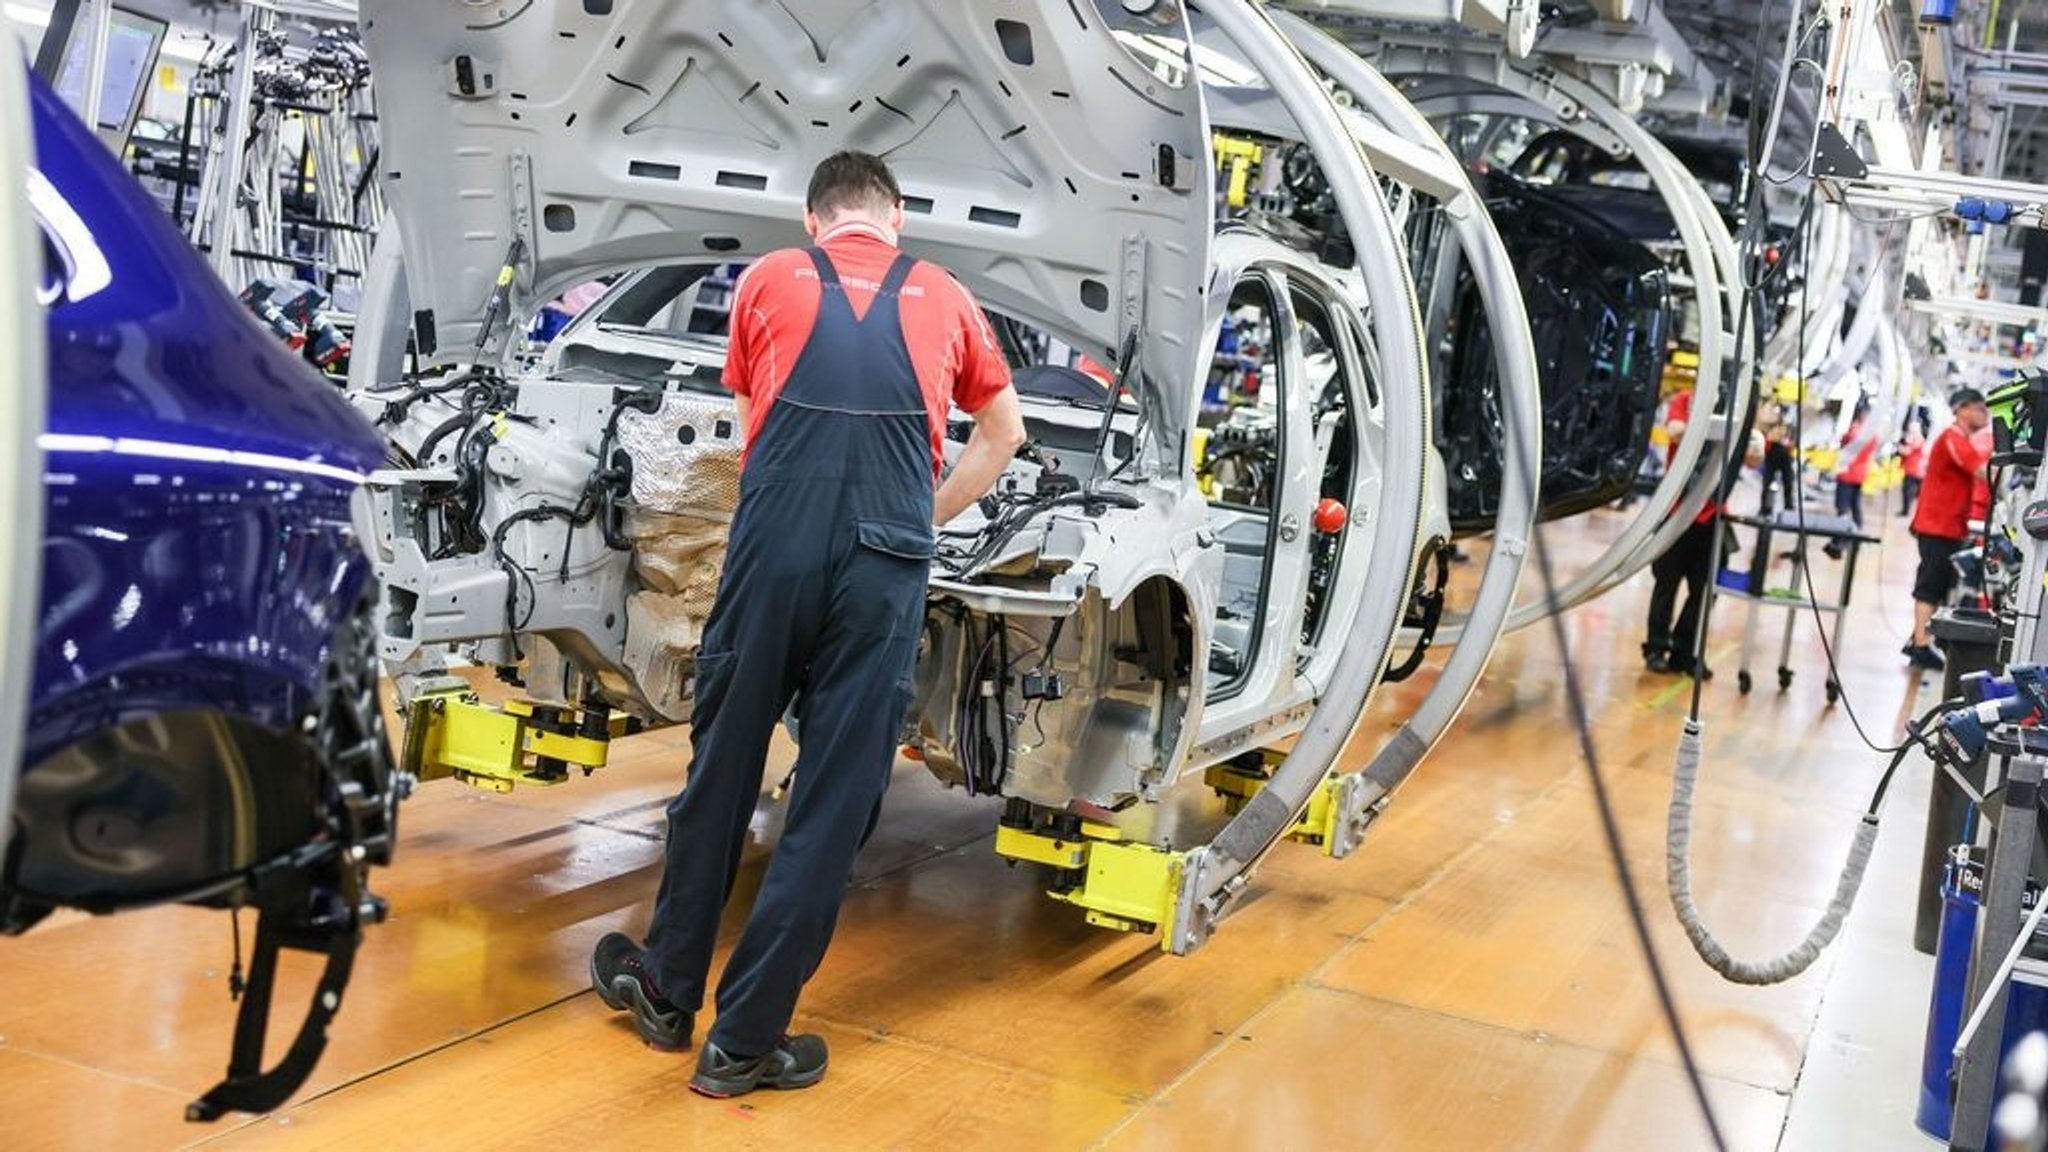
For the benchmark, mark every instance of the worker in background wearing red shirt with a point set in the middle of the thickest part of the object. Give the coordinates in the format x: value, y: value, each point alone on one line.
x: 1913, y: 460
x: 1690, y: 559
x: 1955, y: 462
x: 846, y: 359
x: 1859, y: 449
x: 1980, y: 493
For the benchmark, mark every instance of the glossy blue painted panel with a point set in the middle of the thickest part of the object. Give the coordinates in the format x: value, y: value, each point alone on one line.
x: 198, y: 550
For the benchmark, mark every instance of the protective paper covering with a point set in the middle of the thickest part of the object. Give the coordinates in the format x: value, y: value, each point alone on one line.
x: 685, y: 490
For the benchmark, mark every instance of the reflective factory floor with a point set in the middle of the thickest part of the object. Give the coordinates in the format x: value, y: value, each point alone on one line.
x: 1469, y: 979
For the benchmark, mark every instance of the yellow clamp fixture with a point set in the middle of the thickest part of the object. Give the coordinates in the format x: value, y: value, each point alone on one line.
x: 1237, y: 781
x: 1127, y: 886
x: 1238, y: 156
x: 452, y: 733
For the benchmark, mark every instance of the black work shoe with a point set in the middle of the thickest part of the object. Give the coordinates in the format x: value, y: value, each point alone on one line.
x: 797, y: 1062
x: 618, y: 970
x: 1658, y: 662
x: 1924, y: 656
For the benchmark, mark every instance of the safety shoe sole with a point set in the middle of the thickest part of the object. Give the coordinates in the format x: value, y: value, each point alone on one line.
x: 725, y: 1088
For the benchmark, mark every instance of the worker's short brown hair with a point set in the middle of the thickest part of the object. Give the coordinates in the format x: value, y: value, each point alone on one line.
x: 852, y: 181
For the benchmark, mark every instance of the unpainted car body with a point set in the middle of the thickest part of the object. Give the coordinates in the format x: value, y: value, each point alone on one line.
x: 561, y: 521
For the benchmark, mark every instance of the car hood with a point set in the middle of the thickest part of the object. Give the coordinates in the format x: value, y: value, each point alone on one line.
x: 1060, y: 178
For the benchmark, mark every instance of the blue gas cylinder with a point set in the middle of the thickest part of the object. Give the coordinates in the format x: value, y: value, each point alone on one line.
x: 1962, y: 888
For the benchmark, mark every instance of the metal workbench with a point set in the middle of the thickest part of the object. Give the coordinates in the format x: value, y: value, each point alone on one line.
x: 1804, y: 529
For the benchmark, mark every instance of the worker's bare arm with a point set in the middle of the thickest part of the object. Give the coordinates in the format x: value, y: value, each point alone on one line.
x: 998, y: 433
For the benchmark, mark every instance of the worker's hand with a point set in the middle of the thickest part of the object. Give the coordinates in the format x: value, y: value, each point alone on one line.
x: 998, y: 433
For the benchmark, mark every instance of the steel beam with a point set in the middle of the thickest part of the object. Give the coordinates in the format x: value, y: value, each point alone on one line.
x: 224, y: 180
x: 1514, y: 21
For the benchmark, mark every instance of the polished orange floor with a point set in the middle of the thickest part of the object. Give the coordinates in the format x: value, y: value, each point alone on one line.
x: 1469, y: 979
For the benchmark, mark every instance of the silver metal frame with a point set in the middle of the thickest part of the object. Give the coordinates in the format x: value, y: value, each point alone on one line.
x: 23, y: 385
x: 214, y: 218
x: 1518, y: 23
x: 1218, y: 871
x: 1479, y: 240
x: 100, y: 21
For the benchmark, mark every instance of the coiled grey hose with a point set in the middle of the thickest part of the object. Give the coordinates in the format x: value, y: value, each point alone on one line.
x: 1678, y: 873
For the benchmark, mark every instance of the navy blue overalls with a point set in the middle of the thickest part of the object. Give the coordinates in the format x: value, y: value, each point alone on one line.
x: 823, y: 593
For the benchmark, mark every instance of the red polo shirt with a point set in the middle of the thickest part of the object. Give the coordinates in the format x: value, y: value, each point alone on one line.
x: 1860, y: 446
x: 1953, y: 467
x: 1680, y: 409
x: 1914, y: 462
x: 775, y: 307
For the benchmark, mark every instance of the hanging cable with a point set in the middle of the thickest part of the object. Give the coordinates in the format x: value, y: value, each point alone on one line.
x: 1610, y: 829
x: 1827, y: 646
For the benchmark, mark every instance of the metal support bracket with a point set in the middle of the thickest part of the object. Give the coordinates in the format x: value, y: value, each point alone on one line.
x: 1131, y: 305
x: 1128, y: 887
x: 249, y: 1087
x: 1833, y: 155
x: 1338, y: 816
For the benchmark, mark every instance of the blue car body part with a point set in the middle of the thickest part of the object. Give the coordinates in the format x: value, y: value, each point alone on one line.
x: 203, y: 721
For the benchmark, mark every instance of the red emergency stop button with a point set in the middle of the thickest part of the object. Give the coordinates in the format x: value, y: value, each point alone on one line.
x: 1331, y: 516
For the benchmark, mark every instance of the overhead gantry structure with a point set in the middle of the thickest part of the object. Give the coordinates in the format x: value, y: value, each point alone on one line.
x: 1929, y: 152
